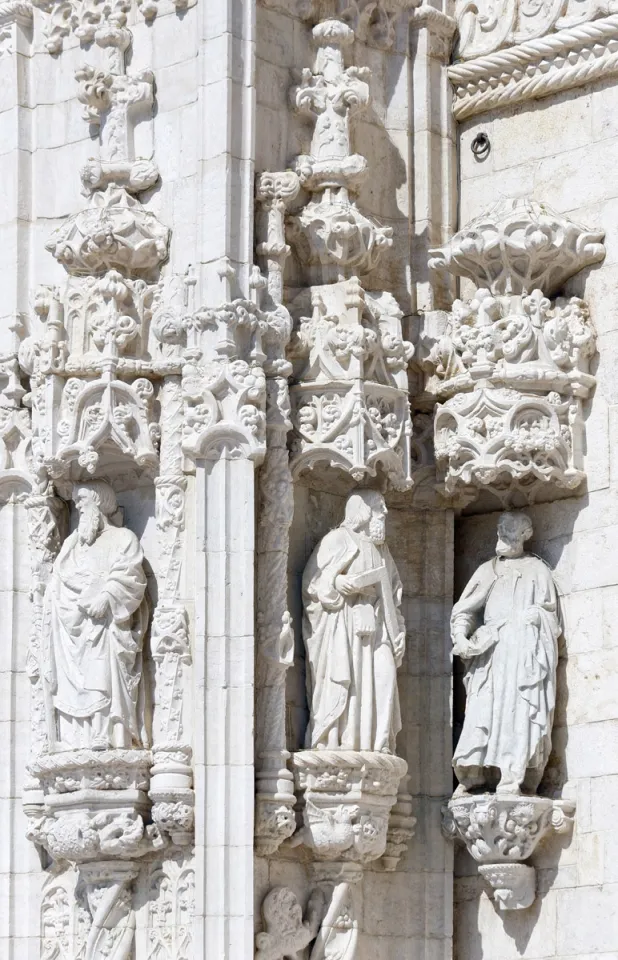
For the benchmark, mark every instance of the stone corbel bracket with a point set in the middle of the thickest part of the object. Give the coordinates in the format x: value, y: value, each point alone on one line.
x: 501, y: 834
x: 346, y: 799
x: 536, y: 68
x: 512, y: 370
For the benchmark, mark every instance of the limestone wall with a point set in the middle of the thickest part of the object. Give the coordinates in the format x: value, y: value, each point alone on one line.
x: 563, y: 150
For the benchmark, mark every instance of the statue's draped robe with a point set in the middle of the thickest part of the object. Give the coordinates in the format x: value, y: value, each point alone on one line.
x: 341, y: 659
x: 511, y: 686
x: 92, y: 667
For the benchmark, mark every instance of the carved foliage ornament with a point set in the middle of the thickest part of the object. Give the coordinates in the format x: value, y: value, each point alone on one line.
x: 224, y: 377
x: 502, y: 832
x: 90, y: 20
x: 490, y: 25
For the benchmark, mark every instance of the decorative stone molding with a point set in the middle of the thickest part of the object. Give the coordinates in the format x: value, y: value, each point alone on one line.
x: 171, y: 901
x: 373, y: 21
x: 274, y: 191
x: 333, y: 238
x: 275, y: 799
x: 350, y: 398
x: 512, y: 370
x: 89, y: 20
x: 487, y: 27
x: 224, y: 376
x: 500, y: 833
x: 536, y: 68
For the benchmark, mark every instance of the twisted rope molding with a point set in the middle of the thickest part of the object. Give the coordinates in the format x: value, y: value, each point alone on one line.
x: 348, y: 760
x: 536, y: 68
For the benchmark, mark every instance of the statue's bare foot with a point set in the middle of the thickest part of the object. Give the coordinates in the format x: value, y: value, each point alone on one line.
x: 508, y: 788
x: 99, y: 743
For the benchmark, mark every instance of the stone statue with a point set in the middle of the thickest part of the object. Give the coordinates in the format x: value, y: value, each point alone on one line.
x: 506, y: 626
x: 95, y: 618
x: 354, y: 633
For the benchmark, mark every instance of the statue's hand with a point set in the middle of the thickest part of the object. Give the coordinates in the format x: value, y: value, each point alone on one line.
x: 345, y: 585
x: 460, y: 644
x: 97, y: 608
x: 532, y: 616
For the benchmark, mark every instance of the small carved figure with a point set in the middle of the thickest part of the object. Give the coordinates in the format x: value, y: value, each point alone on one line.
x: 95, y: 618
x: 354, y: 633
x: 286, y: 935
x: 511, y: 660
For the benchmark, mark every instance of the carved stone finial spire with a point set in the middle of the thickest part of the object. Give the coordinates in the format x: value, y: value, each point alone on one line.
x: 115, y: 232
x: 333, y: 237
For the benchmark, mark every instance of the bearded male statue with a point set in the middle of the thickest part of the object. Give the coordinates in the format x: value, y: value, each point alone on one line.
x: 505, y: 627
x: 354, y: 633
x: 95, y: 618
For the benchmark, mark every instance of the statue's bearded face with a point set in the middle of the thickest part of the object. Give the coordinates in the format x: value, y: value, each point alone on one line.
x: 510, y: 542
x: 377, y: 526
x: 89, y: 521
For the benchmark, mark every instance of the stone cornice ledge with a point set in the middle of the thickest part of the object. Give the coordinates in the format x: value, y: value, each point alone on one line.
x: 536, y: 68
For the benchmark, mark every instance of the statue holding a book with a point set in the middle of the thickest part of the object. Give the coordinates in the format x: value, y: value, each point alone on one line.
x: 354, y: 633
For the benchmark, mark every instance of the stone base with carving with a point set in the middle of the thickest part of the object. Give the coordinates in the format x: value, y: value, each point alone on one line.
x: 500, y: 832
x: 347, y: 798
x: 274, y: 805
x: 92, y: 805
x: 171, y: 792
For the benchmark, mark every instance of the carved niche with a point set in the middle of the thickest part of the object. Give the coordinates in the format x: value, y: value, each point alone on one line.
x: 505, y: 627
x: 512, y: 370
x: 348, y: 409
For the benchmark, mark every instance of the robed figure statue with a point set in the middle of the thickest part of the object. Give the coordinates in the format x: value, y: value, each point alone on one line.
x: 505, y: 627
x: 95, y: 618
x: 354, y: 633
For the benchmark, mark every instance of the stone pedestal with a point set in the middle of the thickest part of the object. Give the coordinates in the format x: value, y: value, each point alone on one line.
x: 501, y: 832
x: 347, y: 797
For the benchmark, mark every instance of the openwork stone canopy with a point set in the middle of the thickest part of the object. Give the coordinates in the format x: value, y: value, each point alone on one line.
x: 518, y: 246
x: 513, y: 367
